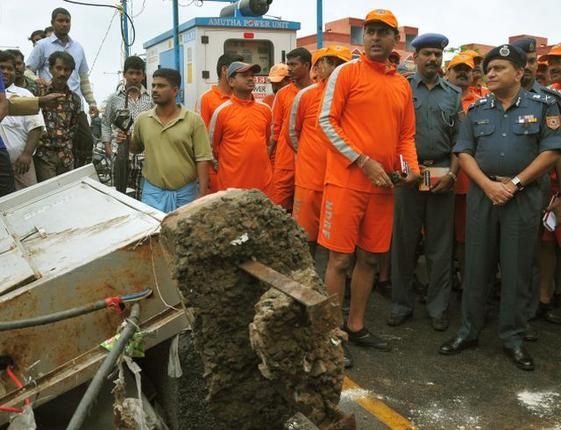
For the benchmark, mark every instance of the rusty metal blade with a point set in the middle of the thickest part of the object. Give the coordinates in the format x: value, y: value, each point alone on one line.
x: 320, y: 309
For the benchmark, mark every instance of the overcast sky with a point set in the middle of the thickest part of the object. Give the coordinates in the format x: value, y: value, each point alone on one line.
x: 483, y: 21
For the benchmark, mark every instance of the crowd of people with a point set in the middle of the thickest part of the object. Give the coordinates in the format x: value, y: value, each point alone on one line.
x: 375, y: 160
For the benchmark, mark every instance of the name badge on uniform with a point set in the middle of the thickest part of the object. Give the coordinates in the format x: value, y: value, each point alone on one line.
x: 527, y: 119
x: 553, y: 122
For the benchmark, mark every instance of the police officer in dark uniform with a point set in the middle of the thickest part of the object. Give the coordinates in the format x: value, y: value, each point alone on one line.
x: 545, y: 251
x: 509, y: 140
x: 437, y: 109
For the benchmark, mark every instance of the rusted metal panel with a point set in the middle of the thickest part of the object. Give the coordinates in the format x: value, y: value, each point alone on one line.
x: 319, y: 308
x: 78, y: 241
x: 83, y: 367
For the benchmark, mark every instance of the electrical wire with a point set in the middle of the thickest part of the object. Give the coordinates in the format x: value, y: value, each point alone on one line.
x: 118, y: 8
x: 109, y: 302
x: 104, y: 370
x: 103, y: 41
x: 18, y: 383
x: 141, y: 9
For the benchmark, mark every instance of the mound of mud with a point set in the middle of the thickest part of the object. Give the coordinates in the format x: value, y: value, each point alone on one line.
x: 263, y: 361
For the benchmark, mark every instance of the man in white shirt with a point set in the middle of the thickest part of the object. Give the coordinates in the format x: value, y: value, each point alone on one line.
x: 79, y: 82
x: 21, y: 134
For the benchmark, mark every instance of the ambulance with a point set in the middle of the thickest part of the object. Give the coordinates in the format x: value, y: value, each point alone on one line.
x: 203, y: 40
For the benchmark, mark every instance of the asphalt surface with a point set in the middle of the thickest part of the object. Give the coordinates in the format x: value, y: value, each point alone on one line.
x: 477, y: 389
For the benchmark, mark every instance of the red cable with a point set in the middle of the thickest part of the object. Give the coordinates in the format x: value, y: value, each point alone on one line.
x: 16, y: 380
x: 115, y: 303
x: 10, y: 409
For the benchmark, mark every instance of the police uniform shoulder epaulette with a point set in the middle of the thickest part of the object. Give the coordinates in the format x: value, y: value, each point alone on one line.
x: 482, y: 101
x: 543, y: 98
x: 453, y: 87
x: 550, y: 92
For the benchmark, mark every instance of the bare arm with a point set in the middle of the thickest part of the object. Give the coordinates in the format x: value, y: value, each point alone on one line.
x: 23, y: 163
x: 202, y: 174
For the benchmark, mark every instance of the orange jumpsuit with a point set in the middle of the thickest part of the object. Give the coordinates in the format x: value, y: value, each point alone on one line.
x: 206, y: 105
x: 367, y: 109
x: 283, y: 172
x: 462, y: 185
x: 239, y: 133
x: 480, y: 91
x: 269, y: 100
x: 311, y: 156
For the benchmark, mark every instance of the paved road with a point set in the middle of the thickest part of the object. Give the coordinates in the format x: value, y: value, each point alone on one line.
x: 479, y: 389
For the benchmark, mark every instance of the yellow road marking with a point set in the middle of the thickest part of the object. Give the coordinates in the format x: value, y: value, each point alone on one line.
x: 379, y: 409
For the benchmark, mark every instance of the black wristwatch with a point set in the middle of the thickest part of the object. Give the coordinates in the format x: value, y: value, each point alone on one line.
x: 517, y: 183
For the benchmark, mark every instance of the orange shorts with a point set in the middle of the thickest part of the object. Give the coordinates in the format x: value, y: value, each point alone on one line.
x: 460, y: 211
x: 307, y: 209
x: 283, y: 188
x: 352, y: 218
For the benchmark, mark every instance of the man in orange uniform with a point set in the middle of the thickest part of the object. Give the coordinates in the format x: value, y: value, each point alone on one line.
x: 460, y: 73
x: 476, y: 85
x: 278, y: 77
x: 211, y: 99
x: 307, y: 142
x: 553, y: 59
x: 368, y: 117
x: 299, y: 64
x: 239, y: 133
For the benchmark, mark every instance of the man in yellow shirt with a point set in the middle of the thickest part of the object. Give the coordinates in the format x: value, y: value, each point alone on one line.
x: 176, y: 147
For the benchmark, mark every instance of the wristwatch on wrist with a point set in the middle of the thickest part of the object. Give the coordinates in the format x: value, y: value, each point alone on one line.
x: 517, y: 183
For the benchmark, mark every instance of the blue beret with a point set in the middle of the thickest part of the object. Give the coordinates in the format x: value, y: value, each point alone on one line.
x: 527, y: 44
x: 506, y: 52
x: 430, y: 40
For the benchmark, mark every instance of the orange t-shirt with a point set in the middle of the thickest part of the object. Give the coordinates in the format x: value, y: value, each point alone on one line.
x: 556, y: 86
x: 480, y: 91
x: 269, y: 100
x: 239, y: 133
x: 462, y: 184
x: 284, y: 154
x: 209, y: 101
x: 367, y: 108
x: 306, y: 138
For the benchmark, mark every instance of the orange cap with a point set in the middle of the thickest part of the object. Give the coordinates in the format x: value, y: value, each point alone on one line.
x: 555, y: 51
x: 461, y: 59
x: 337, y: 51
x: 382, y: 15
x: 316, y: 55
x: 473, y: 54
x: 278, y: 72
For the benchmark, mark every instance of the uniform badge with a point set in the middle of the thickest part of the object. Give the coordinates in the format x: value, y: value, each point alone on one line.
x: 527, y: 119
x: 553, y: 122
x: 504, y: 51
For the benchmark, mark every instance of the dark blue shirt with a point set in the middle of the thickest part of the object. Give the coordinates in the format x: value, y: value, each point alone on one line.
x: 503, y: 142
x: 437, y: 113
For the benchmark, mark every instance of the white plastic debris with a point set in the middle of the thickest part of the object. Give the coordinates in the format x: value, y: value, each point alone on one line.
x: 240, y: 240
x: 174, y: 364
x: 23, y: 421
